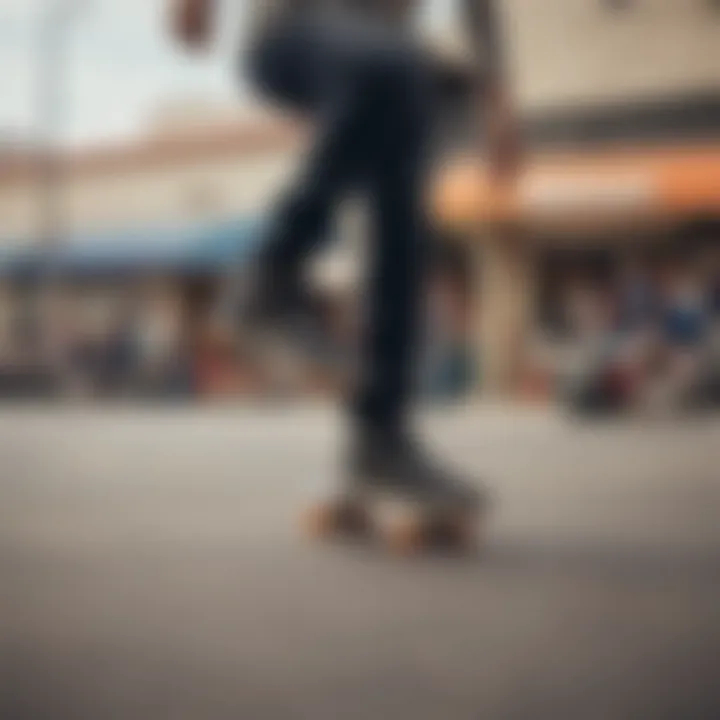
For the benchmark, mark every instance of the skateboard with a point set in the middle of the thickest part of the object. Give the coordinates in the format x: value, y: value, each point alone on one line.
x: 403, y: 527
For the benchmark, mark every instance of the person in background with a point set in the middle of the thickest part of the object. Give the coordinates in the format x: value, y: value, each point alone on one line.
x: 159, y: 342
x: 686, y: 316
x: 121, y: 352
x: 685, y: 328
x: 638, y: 325
x: 354, y: 67
x: 713, y: 263
x: 449, y: 367
x: 637, y: 299
x: 713, y: 384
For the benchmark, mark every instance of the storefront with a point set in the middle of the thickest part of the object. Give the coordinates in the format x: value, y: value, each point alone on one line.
x: 601, y: 201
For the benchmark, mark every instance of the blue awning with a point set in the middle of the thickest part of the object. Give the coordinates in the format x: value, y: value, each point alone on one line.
x: 207, y: 247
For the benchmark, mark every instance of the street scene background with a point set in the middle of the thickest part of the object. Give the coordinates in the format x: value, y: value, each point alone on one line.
x: 154, y: 469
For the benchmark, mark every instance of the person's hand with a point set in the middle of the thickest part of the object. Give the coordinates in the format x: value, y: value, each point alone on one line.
x: 505, y: 153
x: 504, y: 145
x: 191, y: 22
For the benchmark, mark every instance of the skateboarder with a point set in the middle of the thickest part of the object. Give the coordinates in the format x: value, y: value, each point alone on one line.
x: 354, y: 67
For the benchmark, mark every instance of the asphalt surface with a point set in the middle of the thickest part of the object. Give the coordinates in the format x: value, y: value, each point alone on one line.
x: 151, y: 568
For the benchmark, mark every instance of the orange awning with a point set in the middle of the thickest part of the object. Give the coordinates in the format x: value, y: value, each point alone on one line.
x: 601, y: 187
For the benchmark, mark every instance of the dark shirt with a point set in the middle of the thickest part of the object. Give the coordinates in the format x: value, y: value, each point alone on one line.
x: 480, y: 17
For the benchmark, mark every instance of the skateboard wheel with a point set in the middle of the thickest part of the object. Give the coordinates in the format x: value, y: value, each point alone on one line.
x: 336, y: 519
x: 407, y: 539
x: 462, y: 530
x: 411, y: 538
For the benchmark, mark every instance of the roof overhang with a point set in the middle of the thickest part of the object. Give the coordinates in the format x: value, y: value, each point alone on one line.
x: 598, y: 190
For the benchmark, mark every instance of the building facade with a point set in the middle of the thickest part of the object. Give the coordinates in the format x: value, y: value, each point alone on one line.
x: 174, y: 175
x: 620, y: 105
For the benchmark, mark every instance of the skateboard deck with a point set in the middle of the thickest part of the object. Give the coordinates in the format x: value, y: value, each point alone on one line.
x: 402, y: 527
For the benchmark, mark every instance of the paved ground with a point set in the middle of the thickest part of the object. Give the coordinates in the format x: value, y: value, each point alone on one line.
x: 150, y: 568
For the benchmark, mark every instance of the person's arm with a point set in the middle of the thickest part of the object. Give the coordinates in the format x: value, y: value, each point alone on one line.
x: 501, y: 123
x: 192, y: 21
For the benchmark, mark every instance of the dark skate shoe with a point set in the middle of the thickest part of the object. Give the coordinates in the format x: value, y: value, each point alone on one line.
x: 395, y: 465
x: 282, y: 320
x: 403, y: 498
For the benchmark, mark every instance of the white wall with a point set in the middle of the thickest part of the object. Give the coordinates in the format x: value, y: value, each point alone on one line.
x: 569, y: 52
x: 114, y: 201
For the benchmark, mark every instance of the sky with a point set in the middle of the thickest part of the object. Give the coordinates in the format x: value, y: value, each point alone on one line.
x: 120, y: 67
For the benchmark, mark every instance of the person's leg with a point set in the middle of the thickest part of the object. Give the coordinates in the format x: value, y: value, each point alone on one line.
x: 330, y: 70
x: 384, y: 455
x: 378, y: 100
x: 399, y: 245
x: 300, y: 221
x: 374, y: 91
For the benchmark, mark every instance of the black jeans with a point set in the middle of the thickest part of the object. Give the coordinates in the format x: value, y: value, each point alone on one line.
x: 371, y: 92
